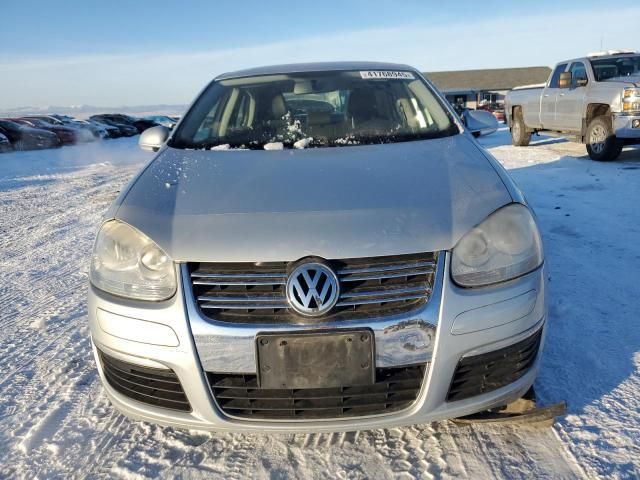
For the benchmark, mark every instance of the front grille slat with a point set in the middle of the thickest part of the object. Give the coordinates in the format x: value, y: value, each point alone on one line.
x: 260, y: 394
x: 136, y: 390
x: 239, y: 298
x: 360, y: 277
x: 369, y: 287
x: 370, y: 301
x: 387, y: 268
x: 385, y: 292
x: 249, y: 282
x: 489, y: 371
x: 144, y: 384
x: 238, y: 275
x: 395, y: 388
x: 167, y: 381
x: 240, y: 306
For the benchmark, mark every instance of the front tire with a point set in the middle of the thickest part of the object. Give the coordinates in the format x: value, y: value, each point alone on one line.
x: 519, y: 135
x: 602, y: 144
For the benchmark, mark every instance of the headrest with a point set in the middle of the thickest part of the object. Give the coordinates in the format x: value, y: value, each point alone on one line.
x: 362, y: 103
x: 278, y: 107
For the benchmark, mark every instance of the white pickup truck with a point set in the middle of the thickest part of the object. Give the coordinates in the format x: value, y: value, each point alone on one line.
x: 594, y: 100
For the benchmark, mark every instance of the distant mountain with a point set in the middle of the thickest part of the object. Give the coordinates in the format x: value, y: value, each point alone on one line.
x: 82, y: 111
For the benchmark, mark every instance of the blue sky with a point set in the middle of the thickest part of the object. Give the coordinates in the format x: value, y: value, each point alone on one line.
x: 146, y: 52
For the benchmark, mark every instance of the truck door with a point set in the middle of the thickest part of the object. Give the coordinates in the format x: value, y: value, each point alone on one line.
x: 570, y: 101
x: 548, y: 100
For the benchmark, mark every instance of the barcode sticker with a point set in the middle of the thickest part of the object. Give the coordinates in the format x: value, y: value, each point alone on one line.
x: 382, y: 74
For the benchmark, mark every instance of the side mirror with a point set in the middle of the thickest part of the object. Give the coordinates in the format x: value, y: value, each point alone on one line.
x: 153, y: 138
x: 565, y: 80
x: 581, y: 82
x: 480, y: 122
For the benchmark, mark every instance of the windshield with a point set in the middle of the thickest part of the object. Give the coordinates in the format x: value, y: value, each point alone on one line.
x: 616, y: 67
x: 313, y: 110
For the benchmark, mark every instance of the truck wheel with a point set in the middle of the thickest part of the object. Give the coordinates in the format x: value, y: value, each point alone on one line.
x: 602, y: 144
x: 519, y: 135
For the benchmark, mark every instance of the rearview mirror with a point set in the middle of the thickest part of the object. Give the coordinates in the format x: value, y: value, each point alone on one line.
x: 480, y: 122
x: 565, y: 80
x: 153, y: 138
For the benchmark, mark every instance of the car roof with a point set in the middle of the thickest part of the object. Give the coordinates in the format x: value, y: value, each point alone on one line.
x: 314, y: 67
x: 601, y: 56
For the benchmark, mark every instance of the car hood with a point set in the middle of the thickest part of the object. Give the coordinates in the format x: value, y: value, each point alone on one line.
x: 358, y: 201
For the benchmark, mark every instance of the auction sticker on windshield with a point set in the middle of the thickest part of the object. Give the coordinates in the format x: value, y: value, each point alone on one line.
x: 372, y: 74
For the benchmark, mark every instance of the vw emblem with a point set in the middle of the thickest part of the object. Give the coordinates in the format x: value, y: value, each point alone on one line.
x: 312, y: 289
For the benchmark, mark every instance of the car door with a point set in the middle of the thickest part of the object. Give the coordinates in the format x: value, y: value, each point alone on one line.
x: 548, y: 100
x: 570, y: 101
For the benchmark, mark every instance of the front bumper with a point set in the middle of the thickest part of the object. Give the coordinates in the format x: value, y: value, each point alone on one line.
x: 623, y: 125
x: 455, y: 323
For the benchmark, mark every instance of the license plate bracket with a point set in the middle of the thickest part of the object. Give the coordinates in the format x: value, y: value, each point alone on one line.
x: 315, y: 359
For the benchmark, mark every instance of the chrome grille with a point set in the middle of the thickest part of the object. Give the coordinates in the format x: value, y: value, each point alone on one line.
x: 255, y: 293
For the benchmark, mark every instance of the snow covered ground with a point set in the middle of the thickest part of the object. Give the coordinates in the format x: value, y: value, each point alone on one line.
x: 56, y: 422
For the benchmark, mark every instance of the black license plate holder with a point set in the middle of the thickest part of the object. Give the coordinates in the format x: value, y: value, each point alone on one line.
x: 315, y: 359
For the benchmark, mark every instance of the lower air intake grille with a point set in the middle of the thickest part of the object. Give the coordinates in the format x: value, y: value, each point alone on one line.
x: 489, y: 371
x: 147, y: 385
x: 239, y: 396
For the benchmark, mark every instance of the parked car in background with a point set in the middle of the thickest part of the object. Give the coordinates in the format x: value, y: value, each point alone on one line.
x: 496, y: 109
x: 367, y: 267
x: 82, y: 134
x: 164, y: 120
x: 140, y: 124
x: 67, y: 136
x: 594, y: 100
x: 5, y: 144
x: 78, y: 124
x: 102, y: 129
x: 23, y: 137
x: 126, y: 129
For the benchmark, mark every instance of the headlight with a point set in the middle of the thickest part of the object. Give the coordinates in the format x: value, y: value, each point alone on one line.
x: 129, y: 264
x: 504, y: 246
x: 631, y: 99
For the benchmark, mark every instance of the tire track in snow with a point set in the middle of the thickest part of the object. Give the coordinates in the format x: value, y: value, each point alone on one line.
x: 42, y: 310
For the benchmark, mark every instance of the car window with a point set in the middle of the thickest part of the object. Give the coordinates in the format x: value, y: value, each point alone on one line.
x: 616, y: 67
x: 555, y: 78
x: 578, y: 74
x: 207, y: 127
x: 312, y: 110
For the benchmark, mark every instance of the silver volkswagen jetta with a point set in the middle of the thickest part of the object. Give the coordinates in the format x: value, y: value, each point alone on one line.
x: 316, y: 247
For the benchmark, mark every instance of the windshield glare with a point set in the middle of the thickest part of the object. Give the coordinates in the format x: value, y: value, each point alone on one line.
x: 616, y: 67
x: 313, y: 110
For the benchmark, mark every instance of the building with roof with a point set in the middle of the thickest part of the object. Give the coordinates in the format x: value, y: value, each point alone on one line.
x: 470, y: 87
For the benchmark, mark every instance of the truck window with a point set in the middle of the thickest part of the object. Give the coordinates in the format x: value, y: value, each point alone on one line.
x: 578, y: 75
x: 606, y: 68
x: 555, y: 78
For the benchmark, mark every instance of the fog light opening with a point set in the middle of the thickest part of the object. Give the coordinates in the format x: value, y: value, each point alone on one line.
x: 635, y: 124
